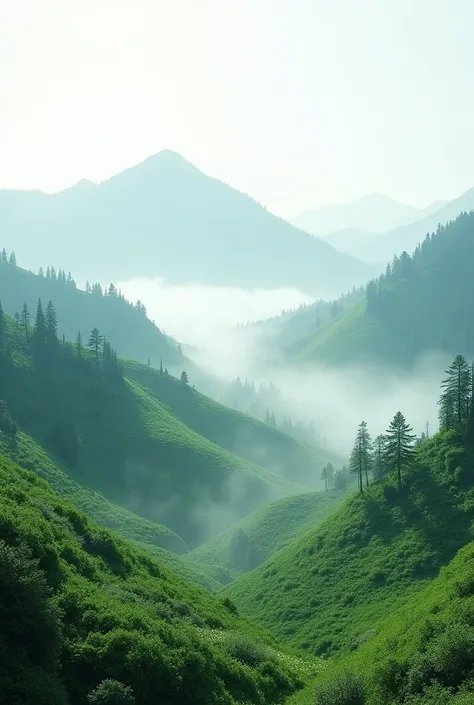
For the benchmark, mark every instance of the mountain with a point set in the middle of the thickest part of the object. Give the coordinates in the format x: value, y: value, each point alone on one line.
x: 89, y: 619
x: 384, y: 246
x: 125, y: 325
x: 117, y: 438
x: 165, y: 218
x: 421, y: 304
x: 332, y: 587
x: 373, y: 213
x: 247, y: 544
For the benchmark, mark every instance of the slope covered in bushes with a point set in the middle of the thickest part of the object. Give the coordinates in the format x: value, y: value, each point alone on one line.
x: 83, y: 613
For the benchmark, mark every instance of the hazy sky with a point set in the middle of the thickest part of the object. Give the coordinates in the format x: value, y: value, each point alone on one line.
x: 298, y: 102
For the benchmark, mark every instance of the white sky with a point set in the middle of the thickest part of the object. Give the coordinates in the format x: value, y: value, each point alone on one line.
x: 297, y: 102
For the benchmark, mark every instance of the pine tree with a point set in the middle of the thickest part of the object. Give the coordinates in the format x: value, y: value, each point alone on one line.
x: 53, y: 273
x: 12, y: 260
x: 41, y: 272
x: 40, y: 324
x: 341, y: 478
x: 184, y: 377
x: 330, y: 473
x: 4, y: 256
x: 79, y: 344
x: 2, y: 328
x: 161, y: 366
x: 324, y: 476
x: 48, y: 272
x: 272, y: 419
x: 456, y: 395
x: 398, y: 446
x: 51, y: 323
x: 25, y: 319
x: 360, y: 461
x: 95, y: 345
x: 379, y: 451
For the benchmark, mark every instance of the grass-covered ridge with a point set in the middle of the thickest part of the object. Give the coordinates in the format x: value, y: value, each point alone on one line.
x: 116, y: 437
x: 422, y: 303
x: 80, y: 607
x: 246, y: 545
x: 329, y: 587
x: 238, y: 433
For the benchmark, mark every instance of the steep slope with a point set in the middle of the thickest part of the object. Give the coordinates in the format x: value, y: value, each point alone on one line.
x: 84, y: 613
x: 242, y: 435
x: 264, y: 532
x: 383, y: 247
x: 121, y: 441
x: 420, y: 654
x: 373, y: 213
x: 127, y: 328
x: 422, y: 304
x: 326, y: 589
x: 166, y: 218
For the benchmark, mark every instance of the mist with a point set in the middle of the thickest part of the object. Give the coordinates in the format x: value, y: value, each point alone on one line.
x: 335, y: 400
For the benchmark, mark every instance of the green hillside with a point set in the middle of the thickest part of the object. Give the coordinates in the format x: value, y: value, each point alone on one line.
x: 127, y: 327
x: 264, y: 532
x: 88, y: 619
x: 118, y: 439
x: 242, y: 435
x: 422, y: 303
x: 329, y: 587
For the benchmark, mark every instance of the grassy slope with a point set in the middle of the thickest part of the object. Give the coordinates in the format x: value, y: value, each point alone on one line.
x: 129, y: 331
x: 132, y: 448
x: 353, y: 335
x: 336, y: 582
x: 269, y: 529
x: 248, y: 438
x: 112, y: 612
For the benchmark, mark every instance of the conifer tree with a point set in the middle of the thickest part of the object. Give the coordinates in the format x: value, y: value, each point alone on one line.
x: 40, y: 324
x: 25, y: 319
x: 53, y: 273
x: 95, y: 345
x: 324, y: 476
x: 41, y: 272
x: 51, y: 323
x: 379, y: 451
x: 161, y: 366
x: 456, y: 393
x: 184, y: 377
x: 12, y: 260
x: 2, y: 328
x: 48, y: 272
x: 4, y: 256
x: 360, y: 461
x: 398, y: 446
x: 330, y: 473
x: 79, y: 344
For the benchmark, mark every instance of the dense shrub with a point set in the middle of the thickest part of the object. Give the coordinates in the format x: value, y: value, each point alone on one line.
x: 347, y: 689
x: 110, y: 692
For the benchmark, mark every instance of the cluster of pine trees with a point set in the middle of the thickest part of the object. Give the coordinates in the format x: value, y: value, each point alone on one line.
x: 43, y: 337
x: 393, y: 450
x: 338, y: 479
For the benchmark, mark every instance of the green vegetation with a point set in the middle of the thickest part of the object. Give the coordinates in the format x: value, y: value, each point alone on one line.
x: 124, y: 324
x: 118, y: 439
x: 327, y: 589
x: 264, y: 532
x: 87, y: 618
x: 422, y: 303
x: 242, y: 435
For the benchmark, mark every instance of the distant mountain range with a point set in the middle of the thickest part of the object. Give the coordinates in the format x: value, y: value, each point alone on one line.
x: 165, y: 218
x: 375, y: 228
x: 374, y: 213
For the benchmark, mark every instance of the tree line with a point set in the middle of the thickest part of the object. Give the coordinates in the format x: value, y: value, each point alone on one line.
x: 394, y: 449
x: 44, y: 339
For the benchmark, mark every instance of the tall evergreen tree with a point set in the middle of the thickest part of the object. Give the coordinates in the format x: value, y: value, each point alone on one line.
x: 330, y: 471
x: 4, y: 256
x: 398, y: 446
x: 51, y: 323
x: 360, y: 461
x: 456, y: 393
x: 184, y: 377
x: 379, y: 455
x: 2, y: 328
x: 40, y: 324
x: 95, y: 345
x: 12, y: 260
x: 25, y: 319
x: 324, y: 476
x: 79, y: 344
